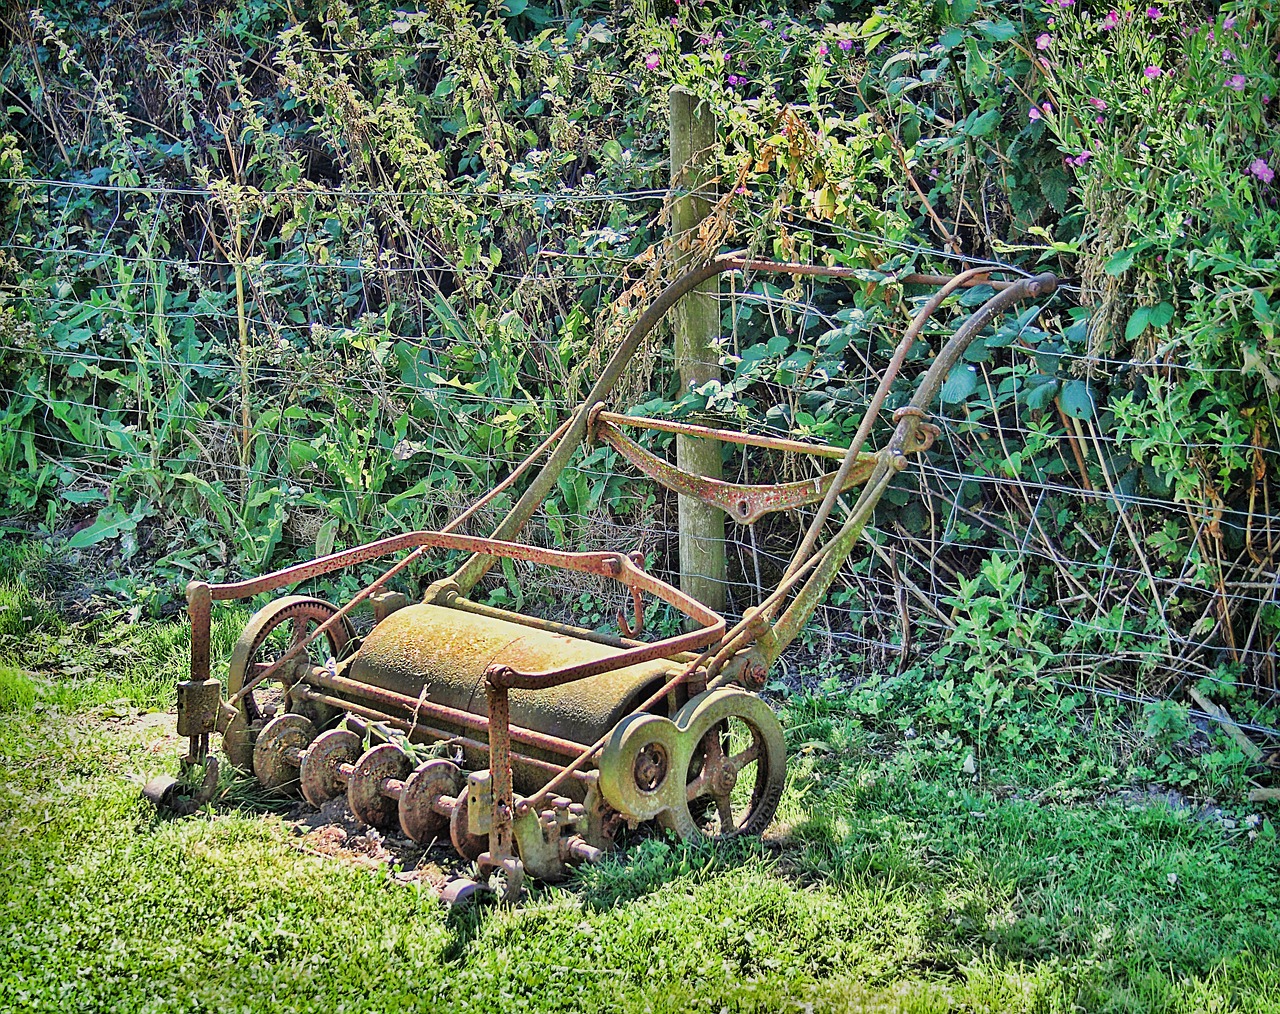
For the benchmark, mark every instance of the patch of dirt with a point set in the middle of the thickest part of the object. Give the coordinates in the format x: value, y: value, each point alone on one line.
x: 336, y: 832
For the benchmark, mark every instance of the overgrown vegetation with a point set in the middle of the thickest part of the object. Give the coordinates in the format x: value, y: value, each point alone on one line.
x: 280, y: 278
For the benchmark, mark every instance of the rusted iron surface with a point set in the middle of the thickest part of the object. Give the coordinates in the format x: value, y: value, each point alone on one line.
x: 745, y: 503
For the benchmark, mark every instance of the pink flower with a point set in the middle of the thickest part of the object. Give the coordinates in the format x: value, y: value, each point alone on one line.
x: 1098, y: 118
x: 675, y: 22
x: 1097, y: 103
x: 653, y: 61
x: 1153, y: 13
x: 846, y: 44
x: 1259, y: 168
x: 1227, y: 55
x: 822, y: 49
x: 1229, y: 24
x: 1066, y: 3
x: 1110, y: 21
x: 1044, y: 41
x: 1080, y: 159
x: 1033, y: 114
x: 1237, y: 82
x: 1153, y: 72
x: 1046, y: 107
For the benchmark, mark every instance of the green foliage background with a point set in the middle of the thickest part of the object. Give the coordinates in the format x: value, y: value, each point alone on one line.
x: 286, y: 276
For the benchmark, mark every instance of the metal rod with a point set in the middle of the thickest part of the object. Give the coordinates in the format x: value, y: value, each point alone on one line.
x: 729, y: 436
x: 824, y: 271
x: 439, y: 734
x: 465, y: 719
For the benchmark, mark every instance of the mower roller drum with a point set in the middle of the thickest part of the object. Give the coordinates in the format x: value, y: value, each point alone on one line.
x: 548, y: 739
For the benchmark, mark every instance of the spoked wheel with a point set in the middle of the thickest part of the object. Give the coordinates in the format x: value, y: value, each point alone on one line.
x: 268, y: 635
x: 738, y: 767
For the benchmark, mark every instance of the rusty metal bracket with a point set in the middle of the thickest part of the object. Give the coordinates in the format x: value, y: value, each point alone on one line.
x: 743, y: 502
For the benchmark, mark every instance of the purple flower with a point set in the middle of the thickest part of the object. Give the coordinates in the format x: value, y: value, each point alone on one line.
x: 1153, y: 72
x: 1259, y: 168
x: 1033, y: 114
x: 675, y: 22
x: 1237, y: 82
x: 846, y: 44
x: 652, y: 61
x: 1097, y: 103
x: 1044, y: 41
x: 1110, y: 21
x: 1066, y: 3
x: 704, y: 40
x: 767, y: 23
x: 1153, y: 13
x: 1229, y: 24
x: 1227, y: 55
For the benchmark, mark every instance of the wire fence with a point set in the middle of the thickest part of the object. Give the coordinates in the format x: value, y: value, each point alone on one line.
x: 139, y: 366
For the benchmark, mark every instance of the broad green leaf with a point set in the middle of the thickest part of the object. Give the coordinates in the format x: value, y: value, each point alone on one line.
x: 1137, y: 323
x: 1119, y: 262
x: 1056, y: 187
x: 961, y: 382
x: 326, y: 537
x: 1040, y: 392
x: 977, y: 295
x: 511, y: 8
x: 109, y: 525
x: 83, y: 495
x: 984, y: 124
x: 1161, y: 314
x: 1077, y: 399
x: 1000, y: 31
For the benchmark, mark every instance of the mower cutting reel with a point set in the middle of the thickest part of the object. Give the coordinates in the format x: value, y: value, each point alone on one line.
x: 549, y: 739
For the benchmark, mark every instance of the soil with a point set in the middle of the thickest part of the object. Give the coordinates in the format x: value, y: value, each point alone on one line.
x: 334, y: 831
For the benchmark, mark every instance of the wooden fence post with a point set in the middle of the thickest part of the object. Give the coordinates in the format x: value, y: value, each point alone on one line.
x: 703, y: 572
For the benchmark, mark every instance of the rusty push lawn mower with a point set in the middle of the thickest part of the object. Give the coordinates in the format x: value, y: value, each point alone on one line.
x: 557, y: 735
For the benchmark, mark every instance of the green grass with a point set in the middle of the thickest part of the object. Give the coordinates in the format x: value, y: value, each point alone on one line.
x: 893, y: 882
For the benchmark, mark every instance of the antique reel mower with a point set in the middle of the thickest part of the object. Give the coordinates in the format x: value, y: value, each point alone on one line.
x: 551, y: 738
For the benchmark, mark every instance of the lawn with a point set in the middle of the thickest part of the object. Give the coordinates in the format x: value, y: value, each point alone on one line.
x: 893, y: 879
